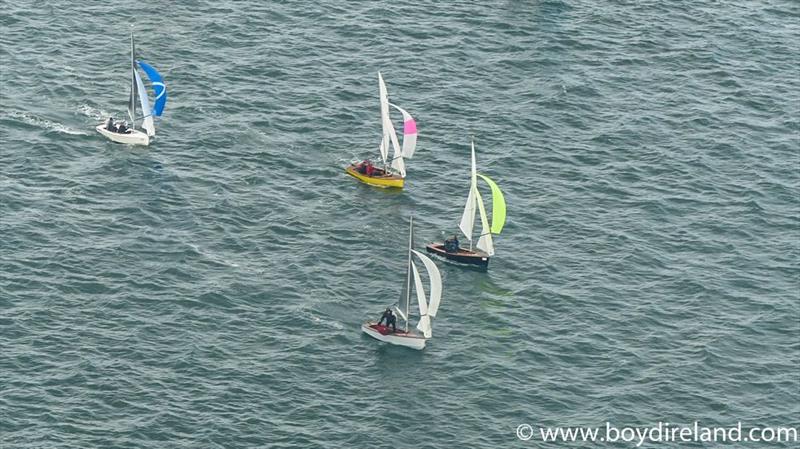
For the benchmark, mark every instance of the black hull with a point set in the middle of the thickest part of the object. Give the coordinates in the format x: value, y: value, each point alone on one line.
x: 463, y: 256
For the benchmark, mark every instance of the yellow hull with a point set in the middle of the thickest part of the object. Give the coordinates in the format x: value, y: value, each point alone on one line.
x: 385, y: 181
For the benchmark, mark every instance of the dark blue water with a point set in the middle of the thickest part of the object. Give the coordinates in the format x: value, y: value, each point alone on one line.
x: 207, y: 290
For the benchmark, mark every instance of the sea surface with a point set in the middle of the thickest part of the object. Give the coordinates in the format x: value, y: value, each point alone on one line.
x: 207, y: 291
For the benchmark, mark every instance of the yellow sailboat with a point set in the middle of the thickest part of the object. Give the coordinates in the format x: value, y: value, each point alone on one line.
x: 392, y: 173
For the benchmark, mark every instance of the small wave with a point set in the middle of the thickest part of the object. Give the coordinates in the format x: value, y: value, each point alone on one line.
x: 213, y: 258
x: 49, y: 125
x: 95, y: 113
x: 327, y: 323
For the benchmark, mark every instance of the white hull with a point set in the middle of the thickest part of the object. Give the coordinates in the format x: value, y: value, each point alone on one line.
x: 409, y: 340
x: 134, y: 137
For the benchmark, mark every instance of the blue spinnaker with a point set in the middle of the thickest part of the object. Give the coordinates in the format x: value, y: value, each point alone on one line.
x: 159, y: 88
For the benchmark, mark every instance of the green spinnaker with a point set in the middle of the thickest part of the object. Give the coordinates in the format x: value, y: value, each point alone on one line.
x: 498, y: 206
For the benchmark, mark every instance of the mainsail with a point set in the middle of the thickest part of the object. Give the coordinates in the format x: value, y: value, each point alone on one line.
x: 468, y: 217
x: 132, y: 99
x: 384, y: 98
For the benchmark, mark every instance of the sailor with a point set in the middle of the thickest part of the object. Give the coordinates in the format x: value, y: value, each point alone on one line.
x: 110, y: 124
x: 370, y: 168
x: 451, y: 244
x: 362, y: 167
x: 391, y: 319
x: 122, y: 128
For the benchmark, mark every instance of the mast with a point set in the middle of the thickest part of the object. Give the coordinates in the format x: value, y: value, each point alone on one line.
x: 472, y: 183
x: 132, y: 100
x: 408, y: 268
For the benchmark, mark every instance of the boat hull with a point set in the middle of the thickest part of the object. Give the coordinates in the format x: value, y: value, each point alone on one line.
x: 135, y: 137
x: 408, y: 339
x: 463, y: 256
x: 386, y: 181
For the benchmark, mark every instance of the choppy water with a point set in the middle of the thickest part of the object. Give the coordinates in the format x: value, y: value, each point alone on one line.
x: 207, y: 291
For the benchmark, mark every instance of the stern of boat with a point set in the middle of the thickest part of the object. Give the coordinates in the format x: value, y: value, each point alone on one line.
x: 400, y: 338
x: 135, y: 137
x: 474, y: 259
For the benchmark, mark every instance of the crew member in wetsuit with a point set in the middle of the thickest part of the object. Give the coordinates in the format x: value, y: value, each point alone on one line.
x: 451, y: 244
x: 391, y: 319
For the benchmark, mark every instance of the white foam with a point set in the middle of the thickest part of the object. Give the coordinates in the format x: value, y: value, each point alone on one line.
x: 33, y: 120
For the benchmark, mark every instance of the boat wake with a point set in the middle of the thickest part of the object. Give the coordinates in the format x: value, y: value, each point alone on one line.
x: 38, y: 122
x: 94, y: 113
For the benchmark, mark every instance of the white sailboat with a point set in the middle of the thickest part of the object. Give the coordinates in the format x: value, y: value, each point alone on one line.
x: 127, y: 133
x: 427, y: 308
x: 393, y: 171
x: 485, y: 245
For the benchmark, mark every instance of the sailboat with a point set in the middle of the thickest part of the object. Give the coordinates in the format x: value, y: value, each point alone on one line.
x: 450, y: 249
x: 124, y: 133
x: 427, y: 308
x: 393, y: 171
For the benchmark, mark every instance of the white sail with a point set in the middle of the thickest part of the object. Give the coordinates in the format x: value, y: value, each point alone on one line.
x: 400, y: 312
x: 384, y: 150
x: 399, y: 165
x: 485, y: 240
x: 147, y: 122
x: 384, y: 98
x: 436, y: 283
x: 132, y: 98
x: 397, y: 157
x: 468, y: 218
x: 424, y: 324
x: 409, y: 132
x: 389, y: 133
